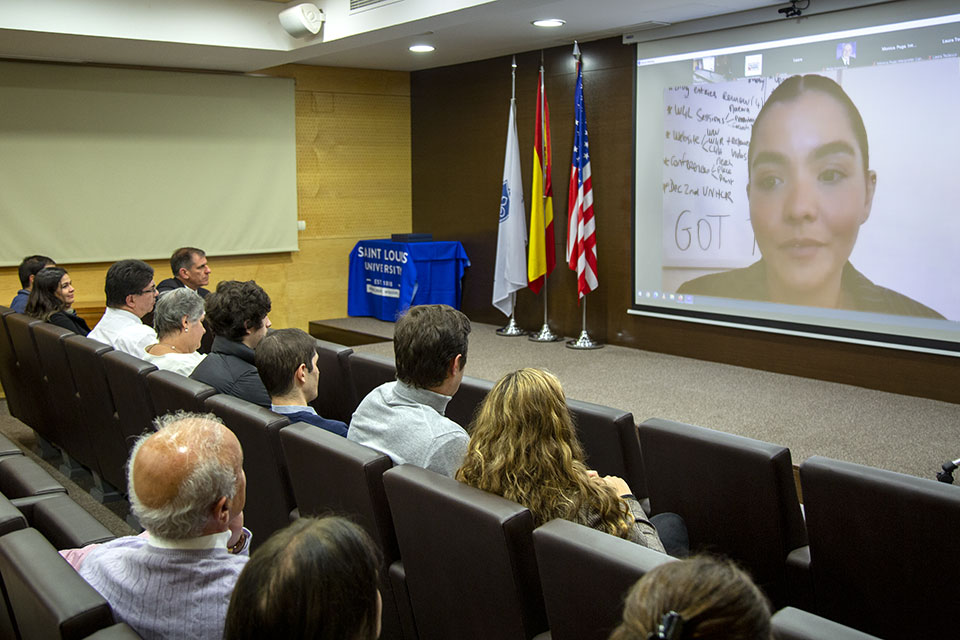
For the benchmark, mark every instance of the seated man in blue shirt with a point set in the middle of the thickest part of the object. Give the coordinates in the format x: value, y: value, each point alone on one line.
x: 31, y: 266
x: 287, y: 362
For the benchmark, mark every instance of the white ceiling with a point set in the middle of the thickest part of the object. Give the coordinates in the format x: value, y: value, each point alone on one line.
x: 245, y: 35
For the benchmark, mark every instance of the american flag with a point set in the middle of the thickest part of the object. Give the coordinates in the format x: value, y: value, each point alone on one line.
x: 581, y: 237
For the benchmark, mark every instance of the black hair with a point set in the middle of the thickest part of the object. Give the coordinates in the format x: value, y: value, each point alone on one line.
x: 425, y: 340
x: 30, y: 266
x: 314, y: 579
x: 280, y: 354
x: 43, y: 301
x: 126, y: 278
x: 182, y: 258
x: 236, y: 307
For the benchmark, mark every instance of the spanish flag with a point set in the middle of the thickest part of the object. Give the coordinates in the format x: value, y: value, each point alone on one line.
x: 541, y: 257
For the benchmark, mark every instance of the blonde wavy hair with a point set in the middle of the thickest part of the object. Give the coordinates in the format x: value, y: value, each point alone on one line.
x: 523, y: 447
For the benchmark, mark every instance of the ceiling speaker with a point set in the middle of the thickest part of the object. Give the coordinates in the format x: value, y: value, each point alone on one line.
x: 302, y: 20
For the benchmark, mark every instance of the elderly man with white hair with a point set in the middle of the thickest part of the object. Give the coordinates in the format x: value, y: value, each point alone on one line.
x: 188, y: 489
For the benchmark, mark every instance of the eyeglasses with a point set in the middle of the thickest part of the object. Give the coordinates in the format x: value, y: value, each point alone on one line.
x: 152, y: 290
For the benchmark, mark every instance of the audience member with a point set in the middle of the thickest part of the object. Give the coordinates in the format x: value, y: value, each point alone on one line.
x: 178, y: 319
x: 51, y: 300
x: 700, y: 597
x: 187, y: 488
x: 523, y: 447
x: 314, y: 580
x: 237, y: 312
x: 190, y: 270
x: 405, y: 419
x: 130, y: 295
x: 28, y: 269
x: 287, y: 362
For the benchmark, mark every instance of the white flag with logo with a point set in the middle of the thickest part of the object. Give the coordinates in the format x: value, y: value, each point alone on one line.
x: 510, y: 271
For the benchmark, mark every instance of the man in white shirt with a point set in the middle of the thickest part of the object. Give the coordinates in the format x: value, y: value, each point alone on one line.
x: 405, y: 418
x: 131, y: 294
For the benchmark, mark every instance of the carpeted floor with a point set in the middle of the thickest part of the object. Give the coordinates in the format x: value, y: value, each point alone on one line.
x: 811, y: 417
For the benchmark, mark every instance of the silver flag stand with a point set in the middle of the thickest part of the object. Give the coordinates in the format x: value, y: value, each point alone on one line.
x: 545, y: 334
x: 512, y: 330
x: 584, y: 341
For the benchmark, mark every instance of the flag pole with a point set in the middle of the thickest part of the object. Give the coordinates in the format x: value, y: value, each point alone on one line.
x: 512, y: 330
x: 583, y: 341
x: 545, y: 334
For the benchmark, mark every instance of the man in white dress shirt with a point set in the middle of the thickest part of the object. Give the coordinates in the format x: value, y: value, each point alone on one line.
x: 131, y: 294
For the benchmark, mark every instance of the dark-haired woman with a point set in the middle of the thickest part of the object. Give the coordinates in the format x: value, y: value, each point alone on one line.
x: 317, y: 579
x: 51, y: 300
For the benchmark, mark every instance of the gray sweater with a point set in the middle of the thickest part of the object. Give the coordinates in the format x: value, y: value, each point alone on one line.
x: 408, y: 424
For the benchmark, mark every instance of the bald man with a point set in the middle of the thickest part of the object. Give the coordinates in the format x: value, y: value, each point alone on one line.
x: 187, y: 488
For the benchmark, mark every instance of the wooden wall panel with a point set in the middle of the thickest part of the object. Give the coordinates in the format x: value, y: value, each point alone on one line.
x: 459, y: 118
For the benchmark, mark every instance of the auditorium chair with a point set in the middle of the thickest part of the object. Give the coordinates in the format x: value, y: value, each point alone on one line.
x: 610, y: 443
x: 22, y: 477
x: 883, y: 553
x: 368, y: 371
x: 330, y: 474
x: 9, y: 377
x: 737, y: 496
x: 796, y: 624
x: 171, y: 392
x: 336, y: 397
x: 119, y: 631
x: 127, y: 377
x: 38, y: 411
x: 63, y: 522
x: 11, y: 518
x: 99, y: 414
x: 269, y: 495
x: 8, y: 447
x: 585, y: 575
x: 471, y: 393
x: 468, y: 558
x: 61, y: 394
x: 45, y: 597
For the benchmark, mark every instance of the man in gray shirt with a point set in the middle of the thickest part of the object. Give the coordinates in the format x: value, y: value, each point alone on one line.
x: 405, y: 419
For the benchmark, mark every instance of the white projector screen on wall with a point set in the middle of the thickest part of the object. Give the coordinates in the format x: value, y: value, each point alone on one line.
x: 100, y: 164
x: 803, y: 221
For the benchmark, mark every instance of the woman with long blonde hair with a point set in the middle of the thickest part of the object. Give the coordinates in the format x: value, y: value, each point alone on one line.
x: 523, y: 447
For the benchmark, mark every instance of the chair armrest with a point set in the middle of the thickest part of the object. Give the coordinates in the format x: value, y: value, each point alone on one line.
x: 799, y: 579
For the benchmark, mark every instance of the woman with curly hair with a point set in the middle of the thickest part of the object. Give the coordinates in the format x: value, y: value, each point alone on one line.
x: 523, y: 447
x: 51, y: 300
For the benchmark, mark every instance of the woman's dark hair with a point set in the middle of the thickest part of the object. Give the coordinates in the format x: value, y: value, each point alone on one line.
x: 43, y: 301
x: 235, y: 307
x: 794, y: 87
x: 425, y: 340
x: 315, y: 579
x: 713, y: 598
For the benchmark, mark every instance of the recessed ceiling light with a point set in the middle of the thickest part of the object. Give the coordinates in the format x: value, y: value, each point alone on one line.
x: 421, y: 48
x: 549, y: 22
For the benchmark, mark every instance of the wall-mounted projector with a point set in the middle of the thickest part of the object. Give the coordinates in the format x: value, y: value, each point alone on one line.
x: 302, y: 20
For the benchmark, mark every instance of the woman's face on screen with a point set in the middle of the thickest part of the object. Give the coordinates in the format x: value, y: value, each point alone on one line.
x: 808, y: 196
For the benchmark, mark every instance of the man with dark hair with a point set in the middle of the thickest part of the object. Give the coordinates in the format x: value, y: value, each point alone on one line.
x: 29, y: 267
x: 188, y: 490
x: 189, y: 267
x: 237, y: 312
x: 287, y: 362
x: 131, y: 294
x: 405, y: 419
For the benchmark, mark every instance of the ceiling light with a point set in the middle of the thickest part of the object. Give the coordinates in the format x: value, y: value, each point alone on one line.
x: 421, y: 48
x: 549, y: 23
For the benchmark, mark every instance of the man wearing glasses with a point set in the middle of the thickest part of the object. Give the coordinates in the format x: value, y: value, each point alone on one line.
x: 131, y: 293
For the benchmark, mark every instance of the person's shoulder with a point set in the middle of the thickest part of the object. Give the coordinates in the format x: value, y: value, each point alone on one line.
x: 871, y: 297
x: 747, y: 282
x: 168, y: 285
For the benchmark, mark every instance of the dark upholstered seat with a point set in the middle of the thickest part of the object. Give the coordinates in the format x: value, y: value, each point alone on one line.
x: 610, y: 442
x: 99, y: 412
x: 330, y: 474
x: 795, y: 624
x: 121, y: 631
x: 20, y: 477
x: 471, y: 393
x: 369, y: 371
x: 468, y: 557
x: 8, y: 447
x: 585, y: 576
x: 127, y: 376
x: 269, y: 496
x: 38, y: 415
x: 883, y: 550
x: 11, y: 518
x: 737, y: 495
x: 63, y: 522
x: 336, y: 397
x: 171, y: 392
x: 61, y: 393
x: 9, y: 377
x: 46, y: 597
